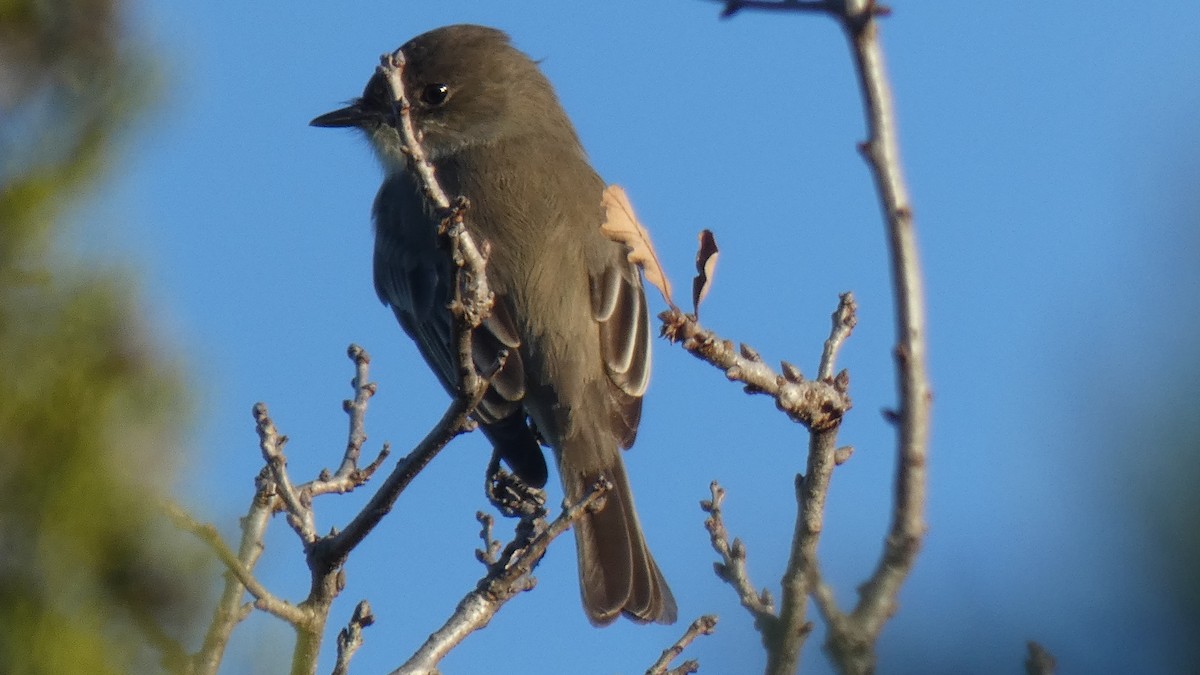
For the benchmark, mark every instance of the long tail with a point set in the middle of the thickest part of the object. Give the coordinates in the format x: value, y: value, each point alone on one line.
x: 617, y: 574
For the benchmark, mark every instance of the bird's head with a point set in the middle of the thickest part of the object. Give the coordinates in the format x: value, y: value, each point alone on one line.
x: 467, y: 86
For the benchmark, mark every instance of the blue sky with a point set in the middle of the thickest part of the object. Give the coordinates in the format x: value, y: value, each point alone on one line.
x: 1052, y: 154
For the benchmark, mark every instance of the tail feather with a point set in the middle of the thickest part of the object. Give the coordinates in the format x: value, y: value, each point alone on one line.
x: 617, y: 574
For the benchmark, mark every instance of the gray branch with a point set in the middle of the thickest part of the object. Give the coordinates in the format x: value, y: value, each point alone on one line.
x: 705, y: 625
x: 507, y: 576
x: 851, y: 636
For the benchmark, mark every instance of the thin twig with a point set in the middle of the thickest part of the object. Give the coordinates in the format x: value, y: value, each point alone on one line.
x: 509, y: 576
x: 271, y: 442
x: 851, y: 637
x: 817, y: 404
x: 471, y: 305
x: 349, y: 639
x: 229, y: 611
x: 356, y: 408
x: 466, y: 254
x: 705, y: 625
x: 732, y: 568
x: 349, y: 475
x: 802, y: 576
x: 391, y: 66
x: 490, y: 552
x: 263, y: 598
x: 803, y: 567
x: 330, y: 552
x: 877, y: 598
x: 845, y: 318
x: 326, y: 555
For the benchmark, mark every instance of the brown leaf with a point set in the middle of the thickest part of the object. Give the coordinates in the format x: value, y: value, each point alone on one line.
x: 622, y: 226
x: 706, y: 264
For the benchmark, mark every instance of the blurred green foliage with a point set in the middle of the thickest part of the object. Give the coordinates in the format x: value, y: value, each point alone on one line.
x: 91, y: 577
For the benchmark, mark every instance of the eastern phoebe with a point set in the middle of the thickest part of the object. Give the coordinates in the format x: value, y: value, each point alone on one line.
x: 569, y: 308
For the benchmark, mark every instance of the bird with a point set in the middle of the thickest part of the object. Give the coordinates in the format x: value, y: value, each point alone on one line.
x: 570, y: 316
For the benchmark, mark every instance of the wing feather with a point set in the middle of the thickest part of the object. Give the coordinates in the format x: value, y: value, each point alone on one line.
x: 619, y: 308
x: 414, y: 278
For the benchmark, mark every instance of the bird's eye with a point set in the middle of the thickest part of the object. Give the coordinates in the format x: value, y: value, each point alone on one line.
x: 435, y: 94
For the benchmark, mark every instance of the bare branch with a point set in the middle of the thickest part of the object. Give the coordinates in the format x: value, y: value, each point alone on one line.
x: 349, y: 639
x: 732, y: 568
x: 299, y: 510
x: 783, y: 634
x: 471, y: 304
x: 330, y: 552
x: 263, y: 599
x: 325, y: 554
x: 356, y: 408
x: 705, y: 625
x: 348, y: 475
x: 508, y: 576
x: 470, y: 262
x: 851, y: 639
x: 491, y: 547
x: 845, y: 318
x: 802, y: 576
x: 391, y: 66
x: 230, y: 610
x: 877, y: 598
x: 327, y: 577
x: 803, y: 570
x: 817, y: 404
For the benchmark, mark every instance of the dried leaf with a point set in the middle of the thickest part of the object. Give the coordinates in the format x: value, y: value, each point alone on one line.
x: 706, y: 264
x: 622, y: 226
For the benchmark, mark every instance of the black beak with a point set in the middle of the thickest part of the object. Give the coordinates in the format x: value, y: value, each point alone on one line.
x: 351, y: 116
